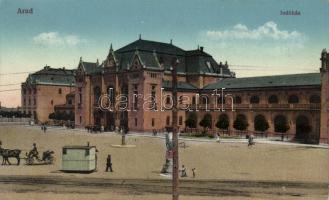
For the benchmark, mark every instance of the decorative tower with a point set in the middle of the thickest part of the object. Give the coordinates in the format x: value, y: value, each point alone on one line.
x: 324, y: 130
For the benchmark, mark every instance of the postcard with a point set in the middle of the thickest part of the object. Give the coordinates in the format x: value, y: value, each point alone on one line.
x: 145, y: 100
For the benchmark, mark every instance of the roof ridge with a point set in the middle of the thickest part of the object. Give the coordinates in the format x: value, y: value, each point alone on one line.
x: 274, y: 75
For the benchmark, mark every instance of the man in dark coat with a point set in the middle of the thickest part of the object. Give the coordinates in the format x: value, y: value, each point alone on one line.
x: 109, y: 163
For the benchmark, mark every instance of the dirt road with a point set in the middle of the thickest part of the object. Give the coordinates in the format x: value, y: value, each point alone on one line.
x: 209, y: 189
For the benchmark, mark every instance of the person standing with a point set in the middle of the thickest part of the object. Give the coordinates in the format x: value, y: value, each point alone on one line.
x: 109, y: 163
x: 183, y: 171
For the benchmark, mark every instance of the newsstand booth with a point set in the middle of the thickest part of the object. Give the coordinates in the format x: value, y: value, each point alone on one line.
x: 79, y: 159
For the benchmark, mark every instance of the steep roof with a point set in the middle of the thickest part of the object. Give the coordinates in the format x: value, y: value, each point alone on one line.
x: 156, y: 54
x: 309, y: 79
x: 52, y: 76
x: 180, y: 85
x: 147, y: 45
x: 90, y: 67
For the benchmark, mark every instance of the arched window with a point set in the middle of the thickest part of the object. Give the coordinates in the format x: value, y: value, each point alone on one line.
x: 60, y: 91
x: 260, y: 123
x: 237, y: 100
x: 180, y: 99
x: 220, y: 100
x: 254, y: 100
x: 273, y: 99
x: 111, y: 93
x: 303, y: 129
x: 204, y: 99
x: 168, y: 100
x: 223, y: 122
x: 315, y: 99
x: 193, y: 100
x: 293, y: 99
x: 281, y: 124
x: 97, y: 94
x: 241, y: 122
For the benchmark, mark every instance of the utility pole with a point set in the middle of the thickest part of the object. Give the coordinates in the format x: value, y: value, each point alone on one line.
x: 175, y: 171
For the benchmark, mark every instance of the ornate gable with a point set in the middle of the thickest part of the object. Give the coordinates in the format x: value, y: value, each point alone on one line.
x: 110, y: 60
x: 136, y: 62
x: 81, y: 68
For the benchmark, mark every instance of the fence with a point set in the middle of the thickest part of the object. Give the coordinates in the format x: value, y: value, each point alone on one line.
x: 235, y: 133
x: 6, y: 119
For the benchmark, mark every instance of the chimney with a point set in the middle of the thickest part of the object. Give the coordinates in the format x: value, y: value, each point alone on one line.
x: 140, y: 36
x: 201, y: 49
x: 170, y: 41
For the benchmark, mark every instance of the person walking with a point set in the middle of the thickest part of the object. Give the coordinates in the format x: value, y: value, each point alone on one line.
x: 251, y: 141
x: 218, y: 137
x: 109, y: 163
x: 193, y: 172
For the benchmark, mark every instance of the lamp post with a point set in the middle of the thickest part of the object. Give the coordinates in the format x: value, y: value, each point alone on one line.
x: 175, y: 171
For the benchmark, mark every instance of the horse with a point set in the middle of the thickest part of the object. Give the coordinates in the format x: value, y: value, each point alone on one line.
x: 8, y: 153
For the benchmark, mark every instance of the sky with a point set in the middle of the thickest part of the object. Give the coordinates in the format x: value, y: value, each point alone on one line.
x: 251, y: 35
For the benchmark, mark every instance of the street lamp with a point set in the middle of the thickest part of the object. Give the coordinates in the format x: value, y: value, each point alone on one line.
x: 175, y: 171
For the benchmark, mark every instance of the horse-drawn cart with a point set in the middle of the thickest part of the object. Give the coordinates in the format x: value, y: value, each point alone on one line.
x: 47, y: 158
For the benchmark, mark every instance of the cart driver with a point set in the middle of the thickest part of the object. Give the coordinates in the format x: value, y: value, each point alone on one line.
x: 34, y: 152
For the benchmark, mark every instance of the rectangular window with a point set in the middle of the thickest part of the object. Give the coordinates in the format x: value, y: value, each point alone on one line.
x: 153, y: 94
x: 152, y: 122
x: 135, y: 100
x: 135, y: 121
x: 180, y: 120
x: 80, y: 119
x: 168, y: 121
x: 87, y: 152
x: 64, y: 151
x: 80, y: 98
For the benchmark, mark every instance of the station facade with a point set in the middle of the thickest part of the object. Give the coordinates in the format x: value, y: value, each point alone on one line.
x: 142, y: 71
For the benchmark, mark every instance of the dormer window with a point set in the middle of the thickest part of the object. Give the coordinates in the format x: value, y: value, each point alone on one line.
x: 208, y: 65
x: 136, y: 64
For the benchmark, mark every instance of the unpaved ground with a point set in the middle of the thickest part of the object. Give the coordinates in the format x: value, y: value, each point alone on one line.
x: 224, y: 171
x: 92, y: 188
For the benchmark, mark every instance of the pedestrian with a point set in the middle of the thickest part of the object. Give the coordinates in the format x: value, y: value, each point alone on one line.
x: 251, y: 140
x: 44, y: 128
x: 218, y: 138
x: 183, y: 171
x: 109, y: 163
x: 193, y: 172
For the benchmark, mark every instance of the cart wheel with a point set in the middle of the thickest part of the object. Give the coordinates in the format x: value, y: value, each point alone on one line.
x: 29, y: 161
x: 49, y: 161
